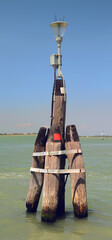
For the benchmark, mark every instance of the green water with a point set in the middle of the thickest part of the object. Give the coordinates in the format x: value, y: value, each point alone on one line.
x: 16, y: 224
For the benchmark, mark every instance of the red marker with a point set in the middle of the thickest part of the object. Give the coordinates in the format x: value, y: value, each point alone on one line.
x: 57, y: 136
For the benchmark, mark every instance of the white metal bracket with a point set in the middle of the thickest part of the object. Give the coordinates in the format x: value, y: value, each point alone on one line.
x: 57, y: 171
x: 54, y: 153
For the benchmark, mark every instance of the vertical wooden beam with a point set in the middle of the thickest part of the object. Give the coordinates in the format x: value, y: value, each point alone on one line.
x: 59, y: 106
x: 58, y: 118
x: 51, y: 181
x: 36, y: 179
x: 78, y: 180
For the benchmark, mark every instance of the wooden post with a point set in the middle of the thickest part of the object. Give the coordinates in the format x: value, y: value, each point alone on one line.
x: 78, y: 180
x: 51, y: 181
x: 36, y: 179
x: 58, y: 113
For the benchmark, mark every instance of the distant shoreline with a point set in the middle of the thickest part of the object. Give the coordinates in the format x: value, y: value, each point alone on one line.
x: 35, y: 134
x: 18, y: 134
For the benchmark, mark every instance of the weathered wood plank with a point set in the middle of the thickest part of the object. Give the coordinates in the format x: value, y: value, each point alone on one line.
x: 58, y: 119
x: 78, y: 181
x: 51, y: 181
x: 36, y: 179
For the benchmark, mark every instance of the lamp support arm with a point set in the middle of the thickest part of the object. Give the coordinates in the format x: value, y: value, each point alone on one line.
x: 59, y: 41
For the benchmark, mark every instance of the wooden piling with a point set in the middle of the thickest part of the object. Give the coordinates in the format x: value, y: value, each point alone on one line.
x: 51, y: 181
x: 58, y: 112
x: 78, y: 180
x: 58, y: 115
x: 36, y: 179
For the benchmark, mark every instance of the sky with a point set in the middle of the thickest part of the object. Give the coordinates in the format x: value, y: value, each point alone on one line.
x: 26, y: 77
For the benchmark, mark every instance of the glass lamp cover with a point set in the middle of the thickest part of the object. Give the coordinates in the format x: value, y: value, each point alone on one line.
x: 59, y: 28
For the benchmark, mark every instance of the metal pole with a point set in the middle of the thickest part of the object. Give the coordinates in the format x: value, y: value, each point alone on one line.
x: 53, y: 95
x: 59, y: 40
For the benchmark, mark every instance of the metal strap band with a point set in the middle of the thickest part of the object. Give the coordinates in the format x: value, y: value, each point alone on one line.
x: 57, y: 171
x: 53, y: 153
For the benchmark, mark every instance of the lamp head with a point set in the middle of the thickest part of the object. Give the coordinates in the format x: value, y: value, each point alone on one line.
x: 59, y: 28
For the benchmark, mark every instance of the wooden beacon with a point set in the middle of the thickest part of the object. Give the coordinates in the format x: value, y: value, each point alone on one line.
x: 51, y: 150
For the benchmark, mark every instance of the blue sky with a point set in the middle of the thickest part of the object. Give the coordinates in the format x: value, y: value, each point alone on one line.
x: 26, y: 78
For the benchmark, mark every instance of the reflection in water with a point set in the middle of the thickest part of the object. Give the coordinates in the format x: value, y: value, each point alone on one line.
x: 66, y: 227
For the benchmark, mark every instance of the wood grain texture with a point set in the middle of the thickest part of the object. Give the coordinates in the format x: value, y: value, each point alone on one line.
x: 36, y: 179
x: 51, y: 181
x: 58, y: 119
x: 78, y: 181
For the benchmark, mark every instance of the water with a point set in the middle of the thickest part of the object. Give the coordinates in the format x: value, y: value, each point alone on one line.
x: 16, y: 224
